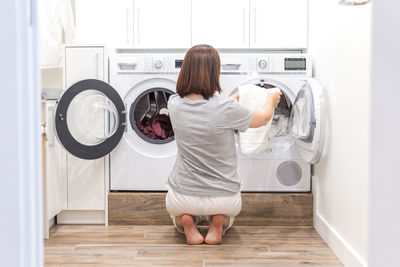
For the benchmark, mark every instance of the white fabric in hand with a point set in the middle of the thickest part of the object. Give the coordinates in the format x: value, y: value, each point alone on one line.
x: 255, y: 140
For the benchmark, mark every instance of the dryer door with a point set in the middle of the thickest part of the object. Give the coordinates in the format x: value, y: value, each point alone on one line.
x: 90, y: 119
x: 307, y: 122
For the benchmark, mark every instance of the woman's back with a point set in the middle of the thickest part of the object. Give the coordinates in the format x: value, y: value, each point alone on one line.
x: 206, y: 163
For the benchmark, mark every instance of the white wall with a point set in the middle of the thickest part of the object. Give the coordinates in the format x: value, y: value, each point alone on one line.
x: 21, y: 242
x: 339, y: 41
x: 384, y: 218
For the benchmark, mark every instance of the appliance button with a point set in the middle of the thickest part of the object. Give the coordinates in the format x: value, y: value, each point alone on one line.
x: 158, y: 63
x: 262, y: 63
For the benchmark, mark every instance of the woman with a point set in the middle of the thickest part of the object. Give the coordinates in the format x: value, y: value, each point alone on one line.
x: 204, y: 180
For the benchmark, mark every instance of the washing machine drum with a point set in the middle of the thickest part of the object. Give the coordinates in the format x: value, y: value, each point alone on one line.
x: 149, y: 116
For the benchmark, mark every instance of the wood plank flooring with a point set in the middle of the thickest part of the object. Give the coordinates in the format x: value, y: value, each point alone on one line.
x: 278, y: 246
x: 257, y: 209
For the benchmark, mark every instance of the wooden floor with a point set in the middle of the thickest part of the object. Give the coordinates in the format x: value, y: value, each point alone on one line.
x: 276, y: 246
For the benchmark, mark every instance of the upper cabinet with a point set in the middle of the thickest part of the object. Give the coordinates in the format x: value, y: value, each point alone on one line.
x: 265, y: 24
x: 278, y: 24
x: 84, y: 63
x: 162, y: 23
x: 104, y: 22
x: 222, y: 23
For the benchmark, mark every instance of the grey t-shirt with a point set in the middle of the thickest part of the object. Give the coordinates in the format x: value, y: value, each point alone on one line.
x: 206, y: 163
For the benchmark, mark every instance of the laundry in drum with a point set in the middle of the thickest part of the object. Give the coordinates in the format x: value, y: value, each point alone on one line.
x: 151, y: 115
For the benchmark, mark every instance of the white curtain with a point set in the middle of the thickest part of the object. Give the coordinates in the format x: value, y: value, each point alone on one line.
x: 55, y: 16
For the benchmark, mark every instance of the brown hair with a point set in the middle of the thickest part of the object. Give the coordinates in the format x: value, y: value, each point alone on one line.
x: 200, y: 72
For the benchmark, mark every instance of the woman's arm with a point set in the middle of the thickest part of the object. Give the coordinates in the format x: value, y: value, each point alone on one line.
x: 263, y: 116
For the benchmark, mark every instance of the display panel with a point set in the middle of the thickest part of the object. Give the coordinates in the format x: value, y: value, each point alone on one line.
x: 178, y: 63
x: 295, y: 64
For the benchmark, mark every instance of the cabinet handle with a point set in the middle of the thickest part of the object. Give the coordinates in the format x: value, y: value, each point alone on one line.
x: 97, y: 65
x: 244, y: 25
x: 50, y: 126
x: 127, y: 26
x: 138, y: 24
x: 255, y: 25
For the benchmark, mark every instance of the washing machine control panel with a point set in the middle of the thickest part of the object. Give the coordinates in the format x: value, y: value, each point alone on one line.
x: 272, y: 63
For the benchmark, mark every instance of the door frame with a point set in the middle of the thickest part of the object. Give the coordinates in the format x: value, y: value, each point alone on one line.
x: 21, y: 191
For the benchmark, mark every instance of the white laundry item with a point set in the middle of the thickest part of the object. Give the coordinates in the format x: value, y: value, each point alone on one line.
x: 54, y: 17
x: 279, y: 126
x: 300, y: 124
x: 254, y: 140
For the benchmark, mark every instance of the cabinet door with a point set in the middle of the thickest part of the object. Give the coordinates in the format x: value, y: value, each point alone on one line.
x: 162, y: 23
x: 56, y: 159
x: 85, y: 178
x: 279, y: 24
x: 224, y: 25
x: 85, y: 183
x: 83, y: 63
x: 104, y: 22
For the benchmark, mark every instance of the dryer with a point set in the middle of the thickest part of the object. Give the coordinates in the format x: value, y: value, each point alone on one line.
x: 94, y: 118
x: 285, y: 166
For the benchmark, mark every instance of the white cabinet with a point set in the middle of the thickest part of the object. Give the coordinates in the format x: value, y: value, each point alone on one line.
x: 85, y: 183
x: 162, y: 23
x: 84, y: 62
x: 86, y: 179
x: 266, y: 24
x: 104, y: 22
x: 55, y: 162
x: 222, y: 23
x: 278, y: 24
x: 54, y: 169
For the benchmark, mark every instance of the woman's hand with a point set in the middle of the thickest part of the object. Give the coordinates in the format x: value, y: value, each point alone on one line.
x: 235, y: 96
x: 275, y: 98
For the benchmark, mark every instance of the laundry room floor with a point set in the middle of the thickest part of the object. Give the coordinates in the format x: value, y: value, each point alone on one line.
x: 162, y: 245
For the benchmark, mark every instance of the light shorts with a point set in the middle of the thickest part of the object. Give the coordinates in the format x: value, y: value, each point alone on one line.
x: 202, y: 207
x: 178, y: 204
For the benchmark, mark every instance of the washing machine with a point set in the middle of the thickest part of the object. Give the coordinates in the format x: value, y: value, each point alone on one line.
x: 94, y: 119
x: 285, y: 166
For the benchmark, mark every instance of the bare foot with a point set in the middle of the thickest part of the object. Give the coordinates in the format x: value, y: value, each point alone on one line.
x: 214, y: 235
x: 193, y: 236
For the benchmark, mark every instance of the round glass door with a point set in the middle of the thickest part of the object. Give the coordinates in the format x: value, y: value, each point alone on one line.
x: 90, y: 119
x: 308, y: 121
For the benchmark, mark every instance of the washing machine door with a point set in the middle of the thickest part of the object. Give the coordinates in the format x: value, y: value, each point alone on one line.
x: 307, y: 122
x: 90, y: 119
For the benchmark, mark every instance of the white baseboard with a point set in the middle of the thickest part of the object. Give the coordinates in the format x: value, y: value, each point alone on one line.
x: 339, y: 246
x: 342, y: 249
x: 81, y: 217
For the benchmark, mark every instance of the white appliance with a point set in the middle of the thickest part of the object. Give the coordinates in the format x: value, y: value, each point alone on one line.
x: 94, y: 118
x: 286, y: 164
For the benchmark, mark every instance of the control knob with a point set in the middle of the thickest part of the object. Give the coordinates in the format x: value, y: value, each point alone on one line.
x: 262, y: 64
x: 158, y: 63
